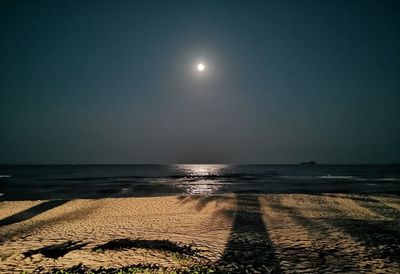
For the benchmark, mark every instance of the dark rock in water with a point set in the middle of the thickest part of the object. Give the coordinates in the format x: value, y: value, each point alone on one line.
x: 310, y: 163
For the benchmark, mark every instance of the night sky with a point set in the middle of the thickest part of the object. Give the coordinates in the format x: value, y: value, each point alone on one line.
x: 115, y: 81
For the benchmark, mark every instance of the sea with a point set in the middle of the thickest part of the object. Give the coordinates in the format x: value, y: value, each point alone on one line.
x: 31, y: 182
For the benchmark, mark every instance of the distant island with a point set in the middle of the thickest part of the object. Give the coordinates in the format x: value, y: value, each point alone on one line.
x: 310, y: 163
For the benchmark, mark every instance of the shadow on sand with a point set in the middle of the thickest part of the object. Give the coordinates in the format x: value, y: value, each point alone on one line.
x: 26, y: 230
x: 380, y: 238
x: 31, y: 212
x: 249, y: 243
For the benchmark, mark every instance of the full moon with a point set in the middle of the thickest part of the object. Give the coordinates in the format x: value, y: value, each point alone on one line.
x: 200, y: 67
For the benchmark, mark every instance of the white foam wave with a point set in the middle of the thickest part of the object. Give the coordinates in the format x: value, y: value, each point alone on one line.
x: 299, y: 177
x: 5, y: 176
x: 335, y: 177
x: 389, y: 179
x: 340, y: 177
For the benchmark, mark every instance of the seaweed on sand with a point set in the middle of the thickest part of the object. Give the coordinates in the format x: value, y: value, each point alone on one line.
x: 162, y: 245
x: 55, y: 251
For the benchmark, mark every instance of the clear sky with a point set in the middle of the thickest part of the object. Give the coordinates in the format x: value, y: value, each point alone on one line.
x: 115, y: 81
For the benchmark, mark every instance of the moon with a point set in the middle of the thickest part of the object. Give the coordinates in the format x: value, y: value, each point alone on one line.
x: 200, y: 67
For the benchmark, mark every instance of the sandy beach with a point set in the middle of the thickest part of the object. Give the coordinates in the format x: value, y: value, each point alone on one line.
x: 285, y: 233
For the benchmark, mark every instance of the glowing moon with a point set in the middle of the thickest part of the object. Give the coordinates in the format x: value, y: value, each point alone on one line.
x: 200, y: 67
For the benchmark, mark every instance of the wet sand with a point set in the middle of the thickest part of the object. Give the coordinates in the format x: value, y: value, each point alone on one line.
x: 282, y: 233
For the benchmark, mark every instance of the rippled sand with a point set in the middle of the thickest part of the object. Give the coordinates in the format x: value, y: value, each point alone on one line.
x: 293, y: 233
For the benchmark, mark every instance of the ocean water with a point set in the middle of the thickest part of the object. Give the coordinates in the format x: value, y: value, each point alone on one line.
x: 20, y: 182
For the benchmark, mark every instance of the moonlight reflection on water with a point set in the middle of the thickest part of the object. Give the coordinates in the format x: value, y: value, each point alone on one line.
x: 201, y: 179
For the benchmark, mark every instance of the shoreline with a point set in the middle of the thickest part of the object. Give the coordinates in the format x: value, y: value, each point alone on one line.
x: 279, y: 232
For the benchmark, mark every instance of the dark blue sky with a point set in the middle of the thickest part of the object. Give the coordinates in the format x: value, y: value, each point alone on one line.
x: 114, y: 81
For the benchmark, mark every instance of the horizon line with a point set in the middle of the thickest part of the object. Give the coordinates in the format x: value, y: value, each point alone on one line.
x: 306, y: 163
